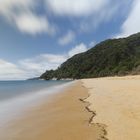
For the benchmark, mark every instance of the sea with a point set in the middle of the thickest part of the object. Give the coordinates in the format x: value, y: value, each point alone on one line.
x: 18, y: 96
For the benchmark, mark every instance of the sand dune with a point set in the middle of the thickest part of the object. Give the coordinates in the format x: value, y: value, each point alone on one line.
x: 116, y: 102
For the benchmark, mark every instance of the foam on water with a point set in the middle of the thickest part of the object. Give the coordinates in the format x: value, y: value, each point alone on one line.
x: 10, y: 109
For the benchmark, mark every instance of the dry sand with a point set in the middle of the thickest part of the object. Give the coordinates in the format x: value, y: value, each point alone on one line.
x: 116, y: 102
x: 64, y: 117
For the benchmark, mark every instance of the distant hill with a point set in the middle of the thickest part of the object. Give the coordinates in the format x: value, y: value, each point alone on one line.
x: 32, y: 79
x: 108, y: 58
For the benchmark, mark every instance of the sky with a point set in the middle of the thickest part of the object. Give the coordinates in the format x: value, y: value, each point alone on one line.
x: 39, y: 35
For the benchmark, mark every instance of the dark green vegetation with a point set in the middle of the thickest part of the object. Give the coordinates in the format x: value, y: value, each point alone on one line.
x: 108, y: 58
x: 36, y: 78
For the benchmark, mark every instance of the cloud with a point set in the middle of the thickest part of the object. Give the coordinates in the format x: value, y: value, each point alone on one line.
x: 35, y: 66
x: 9, y: 7
x: 89, y: 13
x: 31, y: 67
x: 9, y: 71
x: 33, y: 24
x: 77, y: 49
x: 132, y: 24
x: 103, y: 15
x: 21, y: 13
x: 66, y: 39
x: 42, y: 62
x: 92, y: 44
x: 75, y: 8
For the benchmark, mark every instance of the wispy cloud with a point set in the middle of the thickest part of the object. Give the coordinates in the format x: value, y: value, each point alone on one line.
x: 102, y: 16
x: 92, y: 44
x: 77, y: 49
x: 21, y: 13
x: 132, y: 23
x: 89, y: 13
x: 31, y: 67
x: 33, y: 24
x: 75, y: 8
x: 66, y: 39
x: 42, y: 62
x: 35, y: 66
x: 39, y: 64
x: 9, y: 71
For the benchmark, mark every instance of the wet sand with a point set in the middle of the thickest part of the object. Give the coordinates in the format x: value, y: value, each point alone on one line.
x: 64, y: 117
x: 116, y: 102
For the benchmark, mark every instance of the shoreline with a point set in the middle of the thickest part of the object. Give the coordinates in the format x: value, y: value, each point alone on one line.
x: 13, y: 108
x: 88, y: 109
x: 115, y: 101
x: 64, y: 117
x: 101, y: 126
x: 93, y: 112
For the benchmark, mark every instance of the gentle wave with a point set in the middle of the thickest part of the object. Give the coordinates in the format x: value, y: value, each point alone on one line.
x: 12, y: 108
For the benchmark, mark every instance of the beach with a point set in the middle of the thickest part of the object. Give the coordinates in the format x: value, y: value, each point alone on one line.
x: 116, y: 102
x: 63, y: 117
x: 88, y: 109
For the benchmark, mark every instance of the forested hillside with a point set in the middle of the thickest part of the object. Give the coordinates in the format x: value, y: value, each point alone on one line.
x: 108, y: 58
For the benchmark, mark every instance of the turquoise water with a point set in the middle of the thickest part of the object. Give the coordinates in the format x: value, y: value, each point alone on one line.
x: 16, y: 97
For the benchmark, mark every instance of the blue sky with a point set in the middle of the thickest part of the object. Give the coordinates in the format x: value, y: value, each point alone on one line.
x: 36, y: 35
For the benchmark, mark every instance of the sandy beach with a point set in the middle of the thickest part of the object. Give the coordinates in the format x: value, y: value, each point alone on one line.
x: 90, y: 109
x: 63, y: 117
x: 116, y: 102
